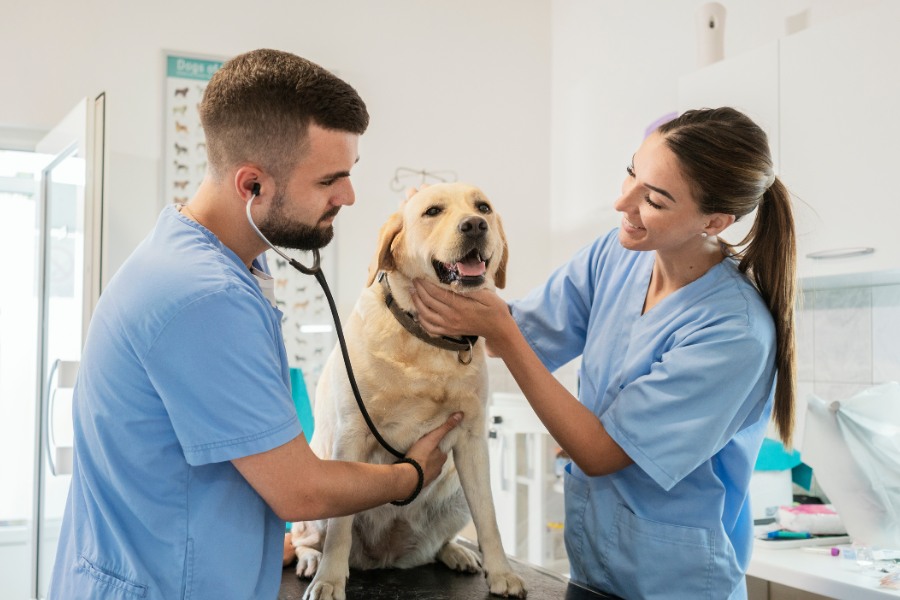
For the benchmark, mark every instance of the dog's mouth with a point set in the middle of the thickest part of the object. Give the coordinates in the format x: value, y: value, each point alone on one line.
x: 468, y: 271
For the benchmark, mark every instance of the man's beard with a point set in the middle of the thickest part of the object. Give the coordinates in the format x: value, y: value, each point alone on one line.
x: 281, y: 232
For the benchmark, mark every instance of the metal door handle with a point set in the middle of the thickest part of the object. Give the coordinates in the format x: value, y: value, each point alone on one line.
x: 841, y: 253
x: 62, y: 375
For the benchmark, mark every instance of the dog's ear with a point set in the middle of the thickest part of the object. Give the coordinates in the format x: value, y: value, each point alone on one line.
x: 384, y: 259
x: 500, y: 275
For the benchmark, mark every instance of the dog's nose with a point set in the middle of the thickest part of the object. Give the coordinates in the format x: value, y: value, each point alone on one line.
x: 473, y: 227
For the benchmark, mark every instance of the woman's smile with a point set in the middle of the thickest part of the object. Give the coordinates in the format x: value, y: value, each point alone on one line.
x: 631, y: 226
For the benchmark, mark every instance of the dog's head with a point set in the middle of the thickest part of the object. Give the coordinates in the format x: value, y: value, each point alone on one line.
x: 447, y: 233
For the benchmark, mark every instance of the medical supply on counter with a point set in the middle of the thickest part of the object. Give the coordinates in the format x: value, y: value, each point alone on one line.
x: 782, y: 534
x: 820, y: 550
x: 815, y: 518
x: 891, y: 581
x: 869, y: 560
x: 772, y: 537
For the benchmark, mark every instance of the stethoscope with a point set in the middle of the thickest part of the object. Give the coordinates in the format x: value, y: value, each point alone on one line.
x: 316, y: 271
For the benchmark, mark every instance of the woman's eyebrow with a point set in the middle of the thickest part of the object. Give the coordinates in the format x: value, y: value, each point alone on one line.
x: 661, y: 191
x: 654, y: 188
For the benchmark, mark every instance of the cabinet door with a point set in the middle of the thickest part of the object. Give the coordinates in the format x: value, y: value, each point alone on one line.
x: 749, y: 83
x: 840, y: 94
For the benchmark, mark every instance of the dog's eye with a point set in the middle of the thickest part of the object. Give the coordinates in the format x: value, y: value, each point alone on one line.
x: 433, y: 211
x: 484, y: 207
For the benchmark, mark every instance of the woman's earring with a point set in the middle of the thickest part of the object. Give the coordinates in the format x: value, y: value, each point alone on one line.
x: 703, y: 234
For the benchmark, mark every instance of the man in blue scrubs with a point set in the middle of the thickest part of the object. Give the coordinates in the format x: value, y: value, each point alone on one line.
x: 681, y: 339
x: 189, y: 456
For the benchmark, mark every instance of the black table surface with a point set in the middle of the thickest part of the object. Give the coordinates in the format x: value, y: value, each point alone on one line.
x: 438, y: 582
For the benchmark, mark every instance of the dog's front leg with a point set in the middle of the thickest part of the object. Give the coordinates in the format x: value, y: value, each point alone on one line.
x: 330, y: 581
x: 470, y: 454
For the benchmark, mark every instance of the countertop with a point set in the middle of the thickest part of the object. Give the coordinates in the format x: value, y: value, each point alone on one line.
x: 831, y: 576
x: 437, y: 582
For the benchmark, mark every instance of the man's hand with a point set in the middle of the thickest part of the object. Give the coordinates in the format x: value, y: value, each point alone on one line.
x: 426, y: 451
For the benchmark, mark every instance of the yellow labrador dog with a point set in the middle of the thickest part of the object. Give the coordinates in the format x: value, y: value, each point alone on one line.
x: 411, y: 382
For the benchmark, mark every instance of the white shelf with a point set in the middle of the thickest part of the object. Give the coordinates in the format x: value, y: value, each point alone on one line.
x: 830, y: 576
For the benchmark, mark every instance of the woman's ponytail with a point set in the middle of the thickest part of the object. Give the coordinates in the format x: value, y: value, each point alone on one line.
x: 769, y: 259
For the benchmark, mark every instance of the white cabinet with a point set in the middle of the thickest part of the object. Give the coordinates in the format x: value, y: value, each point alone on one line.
x: 840, y: 143
x: 828, y: 97
x: 749, y: 83
x: 526, y: 488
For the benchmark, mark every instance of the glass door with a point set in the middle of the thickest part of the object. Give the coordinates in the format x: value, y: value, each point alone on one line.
x: 19, y: 192
x: 69, y: 262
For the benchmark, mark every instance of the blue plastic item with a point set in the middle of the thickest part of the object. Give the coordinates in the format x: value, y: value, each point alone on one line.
x: 301, y: 403
x: 774, y: 457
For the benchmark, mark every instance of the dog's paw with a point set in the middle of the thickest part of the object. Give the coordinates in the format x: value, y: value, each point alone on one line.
x: 308, y: 560
x: 329, y: 583
x: 459, y: 558
x: 506, y: 584
x: 323, y: 590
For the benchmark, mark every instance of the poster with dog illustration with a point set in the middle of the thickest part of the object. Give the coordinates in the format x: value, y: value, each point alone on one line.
x: 184, y: 156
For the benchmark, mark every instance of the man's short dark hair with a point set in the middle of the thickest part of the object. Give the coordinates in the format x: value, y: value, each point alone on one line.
x: 257, y: 108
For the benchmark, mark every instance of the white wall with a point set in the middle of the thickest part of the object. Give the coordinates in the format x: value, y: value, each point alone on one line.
x: 541, y: 103
x: 615, y: 71
x: 462, y: 85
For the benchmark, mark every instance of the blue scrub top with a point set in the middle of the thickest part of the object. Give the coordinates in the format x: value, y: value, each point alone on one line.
x: 686, y: 390
x: 184, y: 370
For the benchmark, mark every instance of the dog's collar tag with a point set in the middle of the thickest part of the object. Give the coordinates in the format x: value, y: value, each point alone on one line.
x: 468, y: 355
x: 464, y: 347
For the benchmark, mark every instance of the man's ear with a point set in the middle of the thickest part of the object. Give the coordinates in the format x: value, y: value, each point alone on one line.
x: 385, y: 258
x: 249, y: 177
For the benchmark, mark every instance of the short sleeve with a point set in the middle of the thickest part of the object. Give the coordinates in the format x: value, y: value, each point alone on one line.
x: 554, y: 317
x: 217, y: 365
x: 692, y: 401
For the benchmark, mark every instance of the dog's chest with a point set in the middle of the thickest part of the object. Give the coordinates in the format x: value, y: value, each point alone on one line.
x: 405, y: 379
x: 449, y: 385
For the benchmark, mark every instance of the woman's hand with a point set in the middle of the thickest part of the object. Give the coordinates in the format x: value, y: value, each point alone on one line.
x: 443, y: 312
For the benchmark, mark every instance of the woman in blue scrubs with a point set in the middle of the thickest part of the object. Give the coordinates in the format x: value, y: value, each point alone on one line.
x: 682, y: 339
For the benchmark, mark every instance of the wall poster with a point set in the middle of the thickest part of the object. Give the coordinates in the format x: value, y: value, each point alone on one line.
x: 307, y: 326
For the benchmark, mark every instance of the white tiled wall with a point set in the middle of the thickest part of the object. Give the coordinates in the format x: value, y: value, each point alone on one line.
x: 886, y: 334
x: 848, y: 339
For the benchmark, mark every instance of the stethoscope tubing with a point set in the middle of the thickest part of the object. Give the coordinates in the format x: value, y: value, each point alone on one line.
x: 294, y: 263
x: 316, y: 271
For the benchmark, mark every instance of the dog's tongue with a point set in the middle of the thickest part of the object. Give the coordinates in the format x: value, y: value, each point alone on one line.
x: 471, y: 268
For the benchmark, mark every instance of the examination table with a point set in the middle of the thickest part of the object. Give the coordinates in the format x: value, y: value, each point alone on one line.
x: 437, y: 582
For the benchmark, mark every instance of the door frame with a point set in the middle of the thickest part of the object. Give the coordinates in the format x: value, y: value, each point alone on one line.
x: 80, y: 133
